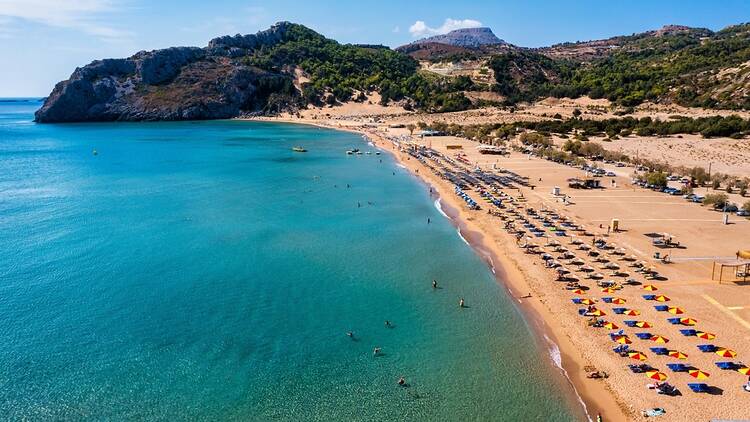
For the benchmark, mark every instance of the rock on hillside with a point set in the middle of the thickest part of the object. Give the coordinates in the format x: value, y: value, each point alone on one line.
x: 467, y: 37
x: 178, y: 83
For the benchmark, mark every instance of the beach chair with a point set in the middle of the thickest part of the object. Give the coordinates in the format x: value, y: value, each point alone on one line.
x: 643, y: 336
x: 577, y: 300
x: 607, y: 299
x: 661, y: 308
x: 660, y: 351
x: 619, y: 311
x: 698, y: 387
x: 707, y: 348
x: 679, y: 367
x: 649, y: 297
x: 630, y: 323
x: 675, y: 321
x: 688, y: 332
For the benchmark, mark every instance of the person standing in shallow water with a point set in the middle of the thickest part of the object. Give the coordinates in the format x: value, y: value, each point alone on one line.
x: 461, y: 303
x: 434, y: 284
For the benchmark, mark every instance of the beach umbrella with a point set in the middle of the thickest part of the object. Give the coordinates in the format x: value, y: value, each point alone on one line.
x: 662, y: 298
x: 659, y: 339
x: 631, y: 312
x: 705, y: 336
x: 608, y: 290
x: 744, y: 370
x: 579, y: 292
x: 659, y: 376
x: 611, y: 326
x: 698, y: 374
x: 642, y: 324
x: 618, y: 301
x: 688, y: 321
x: 650, y: 288
x: 597, y: 312
x: 637, y: 356
x: 587, y: 301
x: 675, y: 310
x: 677, y: 355
x: 726, y: 353
x: 623, y: 340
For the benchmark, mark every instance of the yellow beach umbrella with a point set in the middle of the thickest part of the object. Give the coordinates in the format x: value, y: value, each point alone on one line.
x: 597, y: 312
x: 726, y: 353
x: 587, y: 301
x: 706, y: 336
x: 662, y: 298
x: 650, y: 288
x: 608, y: 290
x: 631, y: 312
x: 642, y: 324
x: 744, y: 370
x: 618, y: 301
x: 698, y: 374
x: 659, y: 339
x: 637, y: 356
x: 688, y: 321
x: 677, y: 355
x: 675, y: 310
x: 611, y: 326
x: 578, y: 291
x: 659, y: 376
x: 623, y: 340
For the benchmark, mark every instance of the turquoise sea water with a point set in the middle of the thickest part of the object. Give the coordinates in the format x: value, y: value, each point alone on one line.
x: 203, y: 271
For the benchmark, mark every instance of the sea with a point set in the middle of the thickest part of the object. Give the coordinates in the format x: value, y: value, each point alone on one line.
x: 205, y: 271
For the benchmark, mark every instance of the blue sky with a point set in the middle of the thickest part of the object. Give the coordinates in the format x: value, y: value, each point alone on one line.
x: 42, y: 41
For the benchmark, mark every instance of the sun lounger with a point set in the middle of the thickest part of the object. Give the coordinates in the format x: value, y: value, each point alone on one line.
x: 661, y: 308
x: 679, y: 367
x: 707, y: 348
x: 649, y: 297
x: 698, y: 387
x: 630, y: 323
x: 674, y: 321
x: 621, y: 348
x: 577, y: 301
x: 650, y: 413
x: 643, y: 336
x: 640, y: 369
x: 660, y: 351
x: 607, y: 299
x: 688, y: 332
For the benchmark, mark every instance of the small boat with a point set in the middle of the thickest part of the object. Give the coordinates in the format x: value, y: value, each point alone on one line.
x: 95, y: 152
x: 299, y: 149
x: 353, y: 151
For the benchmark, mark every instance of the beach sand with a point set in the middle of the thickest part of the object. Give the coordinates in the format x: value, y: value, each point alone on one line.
x: 721, y: 309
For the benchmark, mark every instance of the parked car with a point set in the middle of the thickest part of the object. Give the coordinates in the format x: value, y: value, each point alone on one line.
x: 610, y: 174
x: 698, y: 199
x: 743, y: 213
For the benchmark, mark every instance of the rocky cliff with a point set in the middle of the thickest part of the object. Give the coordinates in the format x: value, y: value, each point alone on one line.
x: 179, y: 83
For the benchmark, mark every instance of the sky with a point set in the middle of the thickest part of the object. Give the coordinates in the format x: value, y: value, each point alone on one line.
x: 43, y: 41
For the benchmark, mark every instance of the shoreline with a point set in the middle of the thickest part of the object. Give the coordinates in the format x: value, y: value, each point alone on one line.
x: 594, y: 397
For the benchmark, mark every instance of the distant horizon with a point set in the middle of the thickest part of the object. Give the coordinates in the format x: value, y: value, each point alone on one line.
x: 45, y: 40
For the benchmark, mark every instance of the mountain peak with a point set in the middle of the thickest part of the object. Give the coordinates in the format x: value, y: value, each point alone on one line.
x: 467, y: 37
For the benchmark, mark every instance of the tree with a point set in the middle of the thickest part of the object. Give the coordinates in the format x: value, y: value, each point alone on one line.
x: 577, y: 113
x: 535, y: 139
x: 411, y: 128
x: 746, y: 206
x: 716, y: 199
x: 656, y: 178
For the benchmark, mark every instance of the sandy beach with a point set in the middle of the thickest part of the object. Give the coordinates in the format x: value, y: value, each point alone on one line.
x: 721, y: 309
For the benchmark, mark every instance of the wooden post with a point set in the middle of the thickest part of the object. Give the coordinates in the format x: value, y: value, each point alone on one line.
x: 713, y: 270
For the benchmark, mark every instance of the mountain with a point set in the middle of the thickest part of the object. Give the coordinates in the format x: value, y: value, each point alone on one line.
x: 467, y: 37
x: 468, y: 43
x: 290, y: 66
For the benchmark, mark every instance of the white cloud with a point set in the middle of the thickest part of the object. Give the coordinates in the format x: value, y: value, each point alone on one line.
x: 80, y: 15
x: 420, y: 28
